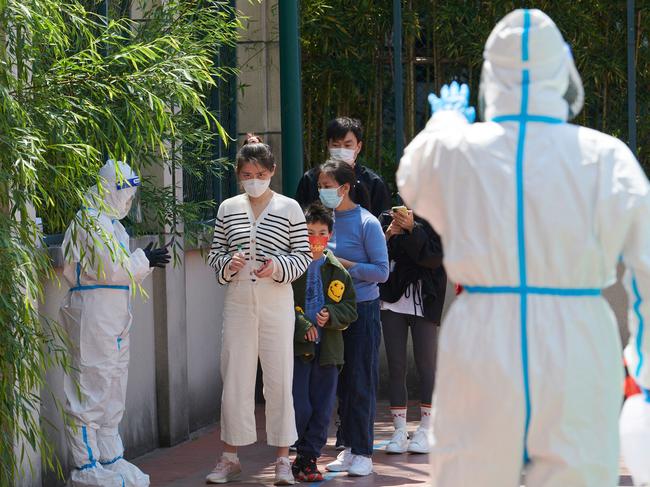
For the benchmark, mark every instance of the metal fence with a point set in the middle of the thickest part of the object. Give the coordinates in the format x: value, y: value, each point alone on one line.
x: 223, y: 103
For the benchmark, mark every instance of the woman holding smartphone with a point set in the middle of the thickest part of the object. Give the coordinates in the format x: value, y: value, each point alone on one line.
x: 411, y: 300
x: 260, y: 246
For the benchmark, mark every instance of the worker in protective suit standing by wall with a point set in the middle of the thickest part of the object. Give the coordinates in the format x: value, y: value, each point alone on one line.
x: 96, y: 314
x: 534, y: 215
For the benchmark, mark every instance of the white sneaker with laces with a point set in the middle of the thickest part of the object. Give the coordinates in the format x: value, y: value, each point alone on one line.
x: 225, y: 471
x: 342, y: 462
x: 399, y: 442
x: 419, y: 441
x: 361, y: 466
x: 283, y: 475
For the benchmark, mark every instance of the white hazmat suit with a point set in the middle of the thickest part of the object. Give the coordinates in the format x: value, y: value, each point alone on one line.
x: 534, y: 215
x: 96, y: 313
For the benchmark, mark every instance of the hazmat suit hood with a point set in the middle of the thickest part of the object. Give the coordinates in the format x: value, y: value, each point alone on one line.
x: 119, y: 184
x: 554, y: 86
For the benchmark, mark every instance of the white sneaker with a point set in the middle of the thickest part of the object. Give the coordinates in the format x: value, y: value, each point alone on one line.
x: 225, y: 471
x: 342, y: 462
x: 419, y: 441
x: 361, y: 466
x: 283, y: 475
x: 399, y: 442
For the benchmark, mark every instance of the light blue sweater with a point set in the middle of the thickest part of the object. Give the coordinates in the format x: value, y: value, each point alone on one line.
x: 358, y: 237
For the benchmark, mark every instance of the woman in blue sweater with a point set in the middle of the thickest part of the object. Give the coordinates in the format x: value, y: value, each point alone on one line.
x: 358, y: 243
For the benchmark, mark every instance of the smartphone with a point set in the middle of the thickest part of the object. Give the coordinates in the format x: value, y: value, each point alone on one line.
x: 400, y: 209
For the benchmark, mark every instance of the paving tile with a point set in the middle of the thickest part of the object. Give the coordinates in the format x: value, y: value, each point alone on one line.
x: 186, y: 465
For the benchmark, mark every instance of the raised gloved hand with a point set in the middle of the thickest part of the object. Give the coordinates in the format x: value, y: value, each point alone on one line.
x: 158, y: 257
x: 453, y: 97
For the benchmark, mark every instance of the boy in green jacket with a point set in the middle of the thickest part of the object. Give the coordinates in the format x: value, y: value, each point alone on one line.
x: 325, y: 304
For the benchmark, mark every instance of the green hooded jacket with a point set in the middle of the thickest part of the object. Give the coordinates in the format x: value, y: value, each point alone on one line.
x: 340, y: 301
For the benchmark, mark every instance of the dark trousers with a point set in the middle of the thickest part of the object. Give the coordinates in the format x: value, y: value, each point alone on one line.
x: 359, y: 379
x: 424, y: 335
x: 314, y: 395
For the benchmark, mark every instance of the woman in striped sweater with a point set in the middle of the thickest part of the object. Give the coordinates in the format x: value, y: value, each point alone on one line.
x: 260, y: 246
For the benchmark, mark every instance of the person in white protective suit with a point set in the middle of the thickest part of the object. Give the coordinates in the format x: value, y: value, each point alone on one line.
x: 96, y: 313
x: 534, y: 215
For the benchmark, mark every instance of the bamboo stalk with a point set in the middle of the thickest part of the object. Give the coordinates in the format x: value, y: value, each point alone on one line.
x: 410, y: 78
x: 327, y: 108
x: 308, y: 135
x: 605, y: 90
x: 436, y: 53
x: 367, y: 126
x: 638, y: 41
x: 379, y: 116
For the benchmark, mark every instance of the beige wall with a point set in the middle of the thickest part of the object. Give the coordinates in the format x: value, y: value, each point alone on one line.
x: 204, y: 307
x: 258, y: 58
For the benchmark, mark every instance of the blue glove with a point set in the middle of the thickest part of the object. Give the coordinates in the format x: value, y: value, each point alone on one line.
x: 646, y: 394
x: 453, y: 97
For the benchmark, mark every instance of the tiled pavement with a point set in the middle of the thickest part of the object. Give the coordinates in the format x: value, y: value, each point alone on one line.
x: 186, y: 465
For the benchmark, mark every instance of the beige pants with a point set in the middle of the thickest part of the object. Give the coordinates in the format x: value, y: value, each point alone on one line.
x: 258, y: 321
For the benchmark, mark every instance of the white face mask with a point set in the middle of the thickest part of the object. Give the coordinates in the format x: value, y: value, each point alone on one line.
x: 256, y: 187
x: 343, y: 154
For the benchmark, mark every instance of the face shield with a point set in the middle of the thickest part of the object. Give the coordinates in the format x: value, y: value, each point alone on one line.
x: 575, y: 93
x: 135, y: 211
x: 120, y: 185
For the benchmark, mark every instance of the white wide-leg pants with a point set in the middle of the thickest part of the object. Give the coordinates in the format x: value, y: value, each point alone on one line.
x: 258, y: 322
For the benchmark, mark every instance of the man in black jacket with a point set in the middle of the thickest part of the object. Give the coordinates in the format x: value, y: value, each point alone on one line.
x: 344, y: 142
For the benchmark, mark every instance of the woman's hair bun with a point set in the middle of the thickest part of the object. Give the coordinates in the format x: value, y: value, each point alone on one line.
x: 253, y: 139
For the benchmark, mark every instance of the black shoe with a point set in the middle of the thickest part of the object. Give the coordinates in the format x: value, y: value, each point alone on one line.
x: 309, y: 471
x: 297, y: 464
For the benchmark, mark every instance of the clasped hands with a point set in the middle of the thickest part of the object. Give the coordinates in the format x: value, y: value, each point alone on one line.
x: 322, y: 318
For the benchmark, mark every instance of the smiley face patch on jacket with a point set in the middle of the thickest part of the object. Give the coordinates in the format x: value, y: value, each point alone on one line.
x: 335, y: 290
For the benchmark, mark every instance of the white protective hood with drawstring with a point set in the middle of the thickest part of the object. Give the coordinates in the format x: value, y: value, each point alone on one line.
x: 96, y: 314
x: 534, y: 215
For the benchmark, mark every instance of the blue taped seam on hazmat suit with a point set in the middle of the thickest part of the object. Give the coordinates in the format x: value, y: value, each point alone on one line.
x: 91, y: 461
x: 79, y: 287
x: 548, y: 291
x: 533, y: 312
x: 641, y: 326
x: 110, y: 462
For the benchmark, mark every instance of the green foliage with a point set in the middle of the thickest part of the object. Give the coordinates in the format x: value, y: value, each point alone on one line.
x: 74, y: 90
x: 347, y: 64
x: 344, y: 65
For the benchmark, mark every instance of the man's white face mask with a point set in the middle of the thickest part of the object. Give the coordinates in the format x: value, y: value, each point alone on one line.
x: 343, y: 154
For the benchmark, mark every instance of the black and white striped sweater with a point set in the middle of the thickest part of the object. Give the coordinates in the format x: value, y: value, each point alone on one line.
x: 279, y: 233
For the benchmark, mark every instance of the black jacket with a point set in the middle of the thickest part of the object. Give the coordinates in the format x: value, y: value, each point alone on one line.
x: 307, y: 191
x: 418, y: 257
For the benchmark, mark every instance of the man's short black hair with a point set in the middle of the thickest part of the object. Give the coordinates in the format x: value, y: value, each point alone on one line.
x: 317, y: 213
x: 340, y: 126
